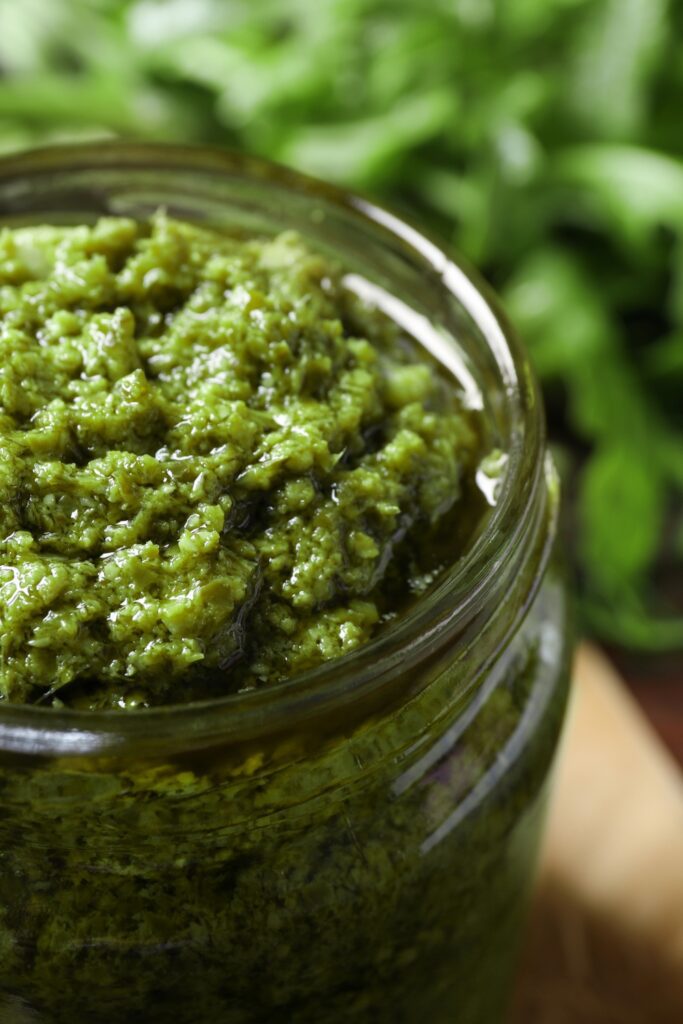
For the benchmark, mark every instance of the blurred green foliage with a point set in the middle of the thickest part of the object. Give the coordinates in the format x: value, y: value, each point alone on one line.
x: 544, y: 137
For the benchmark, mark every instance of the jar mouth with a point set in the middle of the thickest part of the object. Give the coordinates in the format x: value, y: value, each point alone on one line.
x: 456, y: 600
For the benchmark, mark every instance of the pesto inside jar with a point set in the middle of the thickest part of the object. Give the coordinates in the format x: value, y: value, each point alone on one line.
x: 218, y: 466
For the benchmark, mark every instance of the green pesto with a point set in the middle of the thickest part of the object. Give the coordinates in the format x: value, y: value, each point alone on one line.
x: 214, y: 463
x: 376, y: 875
x: 219, y: 468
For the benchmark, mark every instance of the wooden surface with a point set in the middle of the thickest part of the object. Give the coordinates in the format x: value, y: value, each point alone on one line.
x: 605, y: 941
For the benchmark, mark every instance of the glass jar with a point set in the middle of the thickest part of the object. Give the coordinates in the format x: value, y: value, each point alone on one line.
x: 356, y: 843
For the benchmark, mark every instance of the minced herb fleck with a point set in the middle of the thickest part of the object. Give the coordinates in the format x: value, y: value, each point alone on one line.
x: 212, y: 459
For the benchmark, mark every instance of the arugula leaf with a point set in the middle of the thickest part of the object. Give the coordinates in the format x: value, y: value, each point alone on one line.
x: 634, y: 190
x: 614, y: 55
x: 620, y: 507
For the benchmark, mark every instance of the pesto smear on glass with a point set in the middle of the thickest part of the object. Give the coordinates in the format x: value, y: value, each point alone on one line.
x: 217, y: 465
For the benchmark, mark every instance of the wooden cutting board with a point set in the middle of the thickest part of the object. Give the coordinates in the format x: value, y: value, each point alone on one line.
x: 605, y: 940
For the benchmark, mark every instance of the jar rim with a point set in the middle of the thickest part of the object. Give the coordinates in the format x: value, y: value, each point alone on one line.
x: 461, y: 590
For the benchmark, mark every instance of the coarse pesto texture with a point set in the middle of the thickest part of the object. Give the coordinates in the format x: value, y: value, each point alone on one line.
x: 376, y: 875
x: 214, y: 463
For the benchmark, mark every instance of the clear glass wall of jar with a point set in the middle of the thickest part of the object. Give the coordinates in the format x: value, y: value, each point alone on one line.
x: 354, y: 844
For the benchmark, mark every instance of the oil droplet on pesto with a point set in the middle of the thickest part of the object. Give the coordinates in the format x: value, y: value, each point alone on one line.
x: 218, y: 466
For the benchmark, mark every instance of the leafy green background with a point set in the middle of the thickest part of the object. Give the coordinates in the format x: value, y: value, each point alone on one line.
x: 543, y: 137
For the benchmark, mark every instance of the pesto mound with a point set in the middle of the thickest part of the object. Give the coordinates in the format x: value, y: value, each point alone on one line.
x: 216, y: 464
